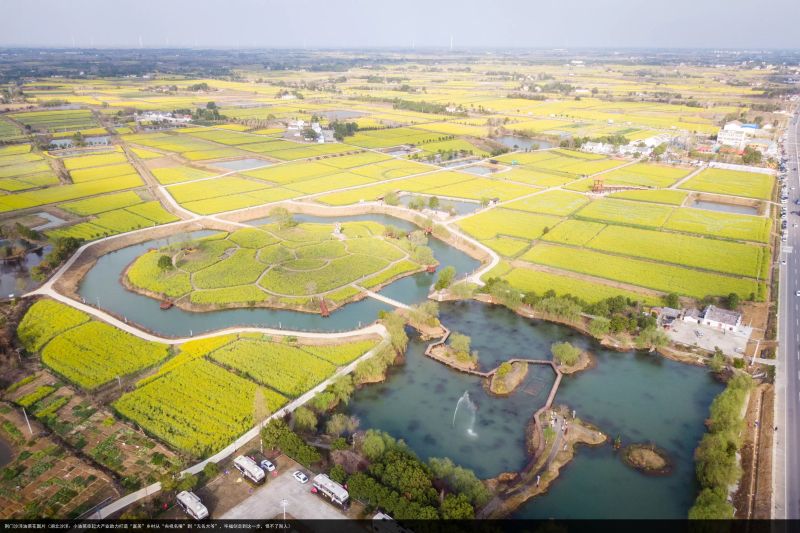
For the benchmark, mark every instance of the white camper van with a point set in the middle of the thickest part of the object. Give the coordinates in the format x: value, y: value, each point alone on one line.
x: 191, y: 504
x: 249, y: 469
x: 327, y: 487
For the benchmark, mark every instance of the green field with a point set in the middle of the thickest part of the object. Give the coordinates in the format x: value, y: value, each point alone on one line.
x: 680, y: 249
x: 721, y: 225
x: 490, y: 224
x: 732, y: 182
x: 263, y: 265
x: 657, y: 276
x: 625, y: 212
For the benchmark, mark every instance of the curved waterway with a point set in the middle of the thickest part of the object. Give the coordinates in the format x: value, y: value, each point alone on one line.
x: 101, y: 287
x: 639, y: 396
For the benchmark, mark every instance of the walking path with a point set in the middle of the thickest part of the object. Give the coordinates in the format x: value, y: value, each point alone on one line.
x: 385, y: 299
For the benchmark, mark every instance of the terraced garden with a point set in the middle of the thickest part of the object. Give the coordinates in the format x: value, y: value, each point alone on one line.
x: 271, y: 266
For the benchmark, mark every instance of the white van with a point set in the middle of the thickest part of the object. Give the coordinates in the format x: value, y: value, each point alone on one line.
x: 249, y: 469
x: 191, y: 505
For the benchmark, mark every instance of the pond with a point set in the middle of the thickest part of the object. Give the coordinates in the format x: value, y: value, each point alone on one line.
x: 445, y: 204
x: 6, y: 454
x: 52, y: 221
x: 101, y: 287
x: 340, y: 114
x: 639, y: 396
x: 516, y: 142
x: 242, y: 164
x: 479, y: 170
x: 15, y: 278
x: 725, y: 208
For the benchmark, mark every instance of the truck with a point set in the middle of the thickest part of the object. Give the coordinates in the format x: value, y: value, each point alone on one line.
x: 249, y: 469
x: 191, y: 505
x: 333, y: 491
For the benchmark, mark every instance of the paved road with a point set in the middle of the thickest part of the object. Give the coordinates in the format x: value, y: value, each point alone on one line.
x: 786, y: 496
x: 266, y: 501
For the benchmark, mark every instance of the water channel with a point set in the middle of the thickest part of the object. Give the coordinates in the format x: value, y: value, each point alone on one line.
x: 101, y: 287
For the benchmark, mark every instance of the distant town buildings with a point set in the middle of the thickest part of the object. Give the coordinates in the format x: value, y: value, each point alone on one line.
x: 160, y: 116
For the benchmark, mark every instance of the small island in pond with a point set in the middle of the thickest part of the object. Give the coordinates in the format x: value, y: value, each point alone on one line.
x: 647, y: 458
x: 507, y: 377
x: 305, y: 267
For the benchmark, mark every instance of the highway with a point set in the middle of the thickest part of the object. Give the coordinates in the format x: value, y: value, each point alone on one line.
x: 786, y: 496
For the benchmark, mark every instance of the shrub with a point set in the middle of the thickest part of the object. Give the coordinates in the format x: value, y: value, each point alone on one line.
x: 565, y: 353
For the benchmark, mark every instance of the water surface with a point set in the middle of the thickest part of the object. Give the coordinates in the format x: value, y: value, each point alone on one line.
x: 725, y: 208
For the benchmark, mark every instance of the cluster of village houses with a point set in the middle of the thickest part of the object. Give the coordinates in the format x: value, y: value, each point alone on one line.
x: 712, y: 316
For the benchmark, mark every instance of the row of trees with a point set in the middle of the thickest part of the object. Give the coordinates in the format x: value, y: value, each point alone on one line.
x: 611, y: 316
x: 716, y: 463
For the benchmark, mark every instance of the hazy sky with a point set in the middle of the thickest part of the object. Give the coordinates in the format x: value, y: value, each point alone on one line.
x: 379, y: 23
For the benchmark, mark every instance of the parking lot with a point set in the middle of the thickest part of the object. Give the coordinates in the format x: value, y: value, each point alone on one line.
x: 266, y: 501
x: 684, y: 333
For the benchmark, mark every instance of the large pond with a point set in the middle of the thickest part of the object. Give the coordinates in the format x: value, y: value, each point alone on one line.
x: 640, y: 397
x: 516, y: 142
x: 101, y: 287
x: 725, y: 208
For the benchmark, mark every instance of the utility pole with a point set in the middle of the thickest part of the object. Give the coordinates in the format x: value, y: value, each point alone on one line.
x: 27, y: 421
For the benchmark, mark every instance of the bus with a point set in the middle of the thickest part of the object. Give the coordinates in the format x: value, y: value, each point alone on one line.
x: 327, y: 487
x: 249, y: 469
x: 191, y: 505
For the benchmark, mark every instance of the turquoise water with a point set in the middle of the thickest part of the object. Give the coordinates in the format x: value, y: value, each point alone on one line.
x: 641, y: 397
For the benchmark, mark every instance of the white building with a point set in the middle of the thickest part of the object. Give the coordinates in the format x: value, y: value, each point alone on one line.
x: 736, y: 134
x: 719, y: 319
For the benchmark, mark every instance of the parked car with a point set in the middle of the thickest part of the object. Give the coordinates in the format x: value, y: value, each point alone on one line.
x: 302, y: 478
x: 267, y: 465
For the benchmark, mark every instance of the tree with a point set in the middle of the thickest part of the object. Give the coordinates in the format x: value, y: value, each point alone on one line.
x: 751, y: 156
x: 433, y: 202
x: 462, y: 291
x: 283, y: 217
x: 343, y: 388
x: 186, y: 482
x: 733, y: 301
x: 165, y: 263
x: 457, y: 508
x: 373, y: 445
x: 391, y: 198
x: 338, y: 474
x: 417, y: 238
x: 651, y: 338
x: 304, y: 419
x: 672, y: 300
x: 460, y: 343
x: 717, y: 361
x: 599, y: 327
x: 423, y: 255
x: 711, y: 505
x: 445, y: 279
x: 340, y: 423
x: 565, y: 353
x: 211, y: 470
